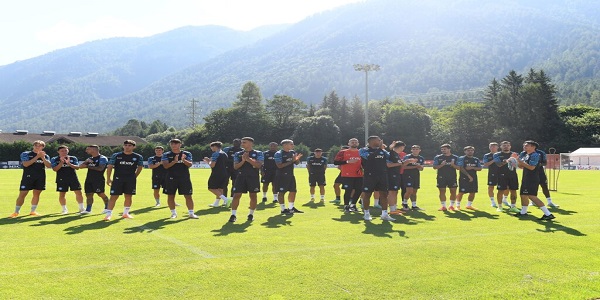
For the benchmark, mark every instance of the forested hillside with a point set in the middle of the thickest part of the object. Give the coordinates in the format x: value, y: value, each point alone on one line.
x: 428, y: 50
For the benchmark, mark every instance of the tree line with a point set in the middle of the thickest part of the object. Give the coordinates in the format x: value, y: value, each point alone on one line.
x: 514, y: 108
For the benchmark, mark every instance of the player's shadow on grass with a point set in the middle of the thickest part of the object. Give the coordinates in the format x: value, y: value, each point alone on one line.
x: 25, y: 218
x: 60, y: 220
x: 353, y: 218
x: 144, y: 210
x: 100, y: 224
x: 552, y: 227
x: 561, y: 211
x: 419, y: 214
x: 385, y: 229
x: 314, y: 204
x: 153, y: 225
x: 212, y: 211
x: 266, y: 205
x: 278, y: 221
x: 229, y: 228
x: 468, y: 215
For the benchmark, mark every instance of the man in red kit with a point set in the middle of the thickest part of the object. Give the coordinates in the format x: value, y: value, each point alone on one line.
x: 351, y: 174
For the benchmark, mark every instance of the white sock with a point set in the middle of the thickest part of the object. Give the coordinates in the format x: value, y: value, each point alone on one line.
x: 469, y: 203
x: 375, y: 201
x: 216, y: 203
x: 405, y: 201
x: 81, y: 207
x: 384, y: 213
x: 17, y: 208
x: 282, y: 206
x: 545, y: 210
x: 291, y: 205
x: 251, y: 212
x: 414, y: 203
x: 443, y: 203
x: 157, y: 200
x: 233, y: 212
x: 504, y: 199
x: 312, y: 196
x: 549, y: 200
x: 222, y: 197
x: 512, y: 205
x: 275, y: 196
x: 190, y: 211
x: 109, y: 212
x: 264, y: 194
x: 452, y: 202
x: 33, y: 208
x: 173, y: 211
x: 393, y: 207
x: 322, y: 197
x: 524, y: 209
x: 367, y: 212
x: 126, y: 210
x: 64, y: 207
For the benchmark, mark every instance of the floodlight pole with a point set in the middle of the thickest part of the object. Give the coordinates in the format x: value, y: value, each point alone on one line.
x: 366, y: 68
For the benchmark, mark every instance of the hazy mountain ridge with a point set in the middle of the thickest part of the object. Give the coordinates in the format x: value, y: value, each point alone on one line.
x: 422, y: 46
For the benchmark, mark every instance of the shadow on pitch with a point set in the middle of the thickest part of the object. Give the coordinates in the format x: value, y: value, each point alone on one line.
x: 562, y: 211
x: 553, y: 227
x: 212, y: 211
x: 58, y: 221
x: 314, y: 204
x: 353, y: 218
x: 278, y: 221
x: 153, y: 225
x: 26, y: 218
x: 420, y: 214
x: 144, y: 210
x: 385, y: 229
x: 229, y: 228
x: 266, y: 205
x: 468, y: 215
x: 100, y: 224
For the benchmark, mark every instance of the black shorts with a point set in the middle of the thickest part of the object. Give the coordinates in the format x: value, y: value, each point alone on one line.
x: 446, y: 182
x: 375, y: 182
x: 509, y: 181
x: 338, y: 179
x: 316, y: 179
x: 233, y: 173
x: 351, y: 183
x: 269, y: 177
x: 30, y: 182
x: 492, y: 178
x: 245, y: 184
x: 158, y: 182
x: 529, y: 186
x: 218, y: 181
x: 94, y: 186
x: 183, y: 185
x: 122, y: 186
x: 394, y: 181
x: 66, y: 184
x: 411, y: 180
x: 542, y: 176
x: 466, y: 187
x: 285, y: 183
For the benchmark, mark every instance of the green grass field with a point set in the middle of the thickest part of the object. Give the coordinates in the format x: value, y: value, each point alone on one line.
x: 322, y: 254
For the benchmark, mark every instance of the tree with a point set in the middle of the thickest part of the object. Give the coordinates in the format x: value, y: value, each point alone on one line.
x: 469, y: 125
x: 409, y: 123
x: 250, y: 100
x: 319, y: 132
x: 133, y: 128
x: 284, y: 113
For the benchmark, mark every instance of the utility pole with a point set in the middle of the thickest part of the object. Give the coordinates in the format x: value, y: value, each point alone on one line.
x: 193, y: 112
x: 366, y: 68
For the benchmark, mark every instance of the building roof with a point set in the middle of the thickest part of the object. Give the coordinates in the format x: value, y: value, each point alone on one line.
x: 585, y: 152
x: 100, y: 140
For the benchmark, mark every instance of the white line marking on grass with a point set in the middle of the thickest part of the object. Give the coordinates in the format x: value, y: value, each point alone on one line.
x: 178, y: 242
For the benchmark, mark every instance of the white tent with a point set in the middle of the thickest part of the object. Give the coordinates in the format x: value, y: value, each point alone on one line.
x: 585, y: 157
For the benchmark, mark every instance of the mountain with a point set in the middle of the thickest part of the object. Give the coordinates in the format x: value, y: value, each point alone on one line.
x: 83, y: 75
x: 423, y: 47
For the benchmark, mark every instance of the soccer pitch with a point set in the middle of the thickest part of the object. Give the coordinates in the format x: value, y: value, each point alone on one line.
x: 321, y: 254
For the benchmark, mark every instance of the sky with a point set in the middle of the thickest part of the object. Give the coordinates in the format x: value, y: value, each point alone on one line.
x: 29, y: 28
